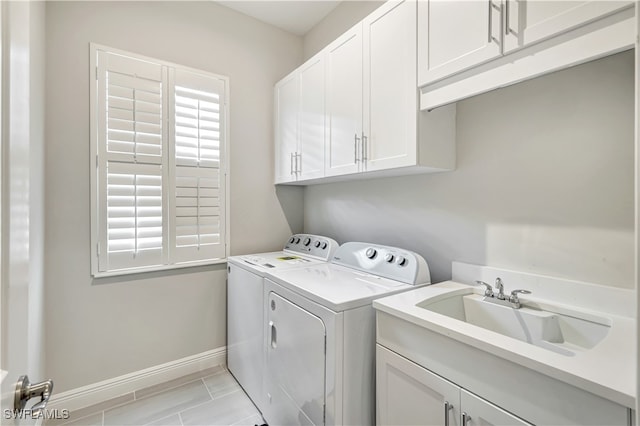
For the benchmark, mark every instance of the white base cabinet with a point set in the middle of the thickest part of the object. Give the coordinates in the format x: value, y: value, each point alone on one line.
x: 408, y: 394
x: 418, y: 370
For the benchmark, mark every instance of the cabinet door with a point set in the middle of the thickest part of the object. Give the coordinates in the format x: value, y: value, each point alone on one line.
x: 456, y: 35
x: 390, y: 91
x: 286, y: 122
x: 344, y: 103
x: 311, y: 118
x: 527, y: 22
x: 481, y: 412
x: 407, y: 394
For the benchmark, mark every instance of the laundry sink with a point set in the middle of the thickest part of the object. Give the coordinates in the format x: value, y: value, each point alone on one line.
x: 558, y: 329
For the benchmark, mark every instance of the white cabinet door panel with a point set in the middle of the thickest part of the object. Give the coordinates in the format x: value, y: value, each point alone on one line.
x: 456, y: 35
x: 408, y: 394
x: 344, y: 103
x: 483, y: 413
x: 286, y: 117
x: 390, y: 120
x: 530, y: 21
x: 311, y: 117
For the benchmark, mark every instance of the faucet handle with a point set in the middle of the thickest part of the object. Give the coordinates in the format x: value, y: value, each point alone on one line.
x: 488, y: 292
x: 514, y: 296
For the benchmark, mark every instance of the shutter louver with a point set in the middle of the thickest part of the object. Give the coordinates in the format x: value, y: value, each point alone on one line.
x: 198, y: 205
x: 131, y: 161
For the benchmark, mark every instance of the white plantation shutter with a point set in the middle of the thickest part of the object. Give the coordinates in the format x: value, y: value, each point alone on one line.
x: 130, y: 134
x: 159, y: 181
x: 197, y: 202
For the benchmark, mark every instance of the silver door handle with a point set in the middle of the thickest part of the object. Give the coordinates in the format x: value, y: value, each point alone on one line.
x: 274, y: 336
x: 465, y: 418
x: 299, y: 165
x: 506, y: 17
x: 25, y: 390
x: 364, y: 147
x: 355, y: 148
x: 499, y: 9
x: 447, y: 407
x: 291, y: 163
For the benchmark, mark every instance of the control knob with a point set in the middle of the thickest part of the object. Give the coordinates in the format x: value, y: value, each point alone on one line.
x: 389, y: 258
x: 371, y: 253
x: 291, y: 240
x: 297, y: 240
x: 317, y: 244
x: 402, y: 261
x: 324, y: 246
x: 307, y: 241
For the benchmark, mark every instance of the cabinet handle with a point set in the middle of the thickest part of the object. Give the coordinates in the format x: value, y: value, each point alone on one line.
x: 355, y: 148
x: 364, y: 147
x: 506, y: 17
x: 291, y: 164
x: 465, y: 418
x: 499, y: 9
x: 299, y: 165
x: 447, y: 407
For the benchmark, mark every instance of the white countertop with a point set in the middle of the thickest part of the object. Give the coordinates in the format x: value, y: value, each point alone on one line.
x: 607, y: 370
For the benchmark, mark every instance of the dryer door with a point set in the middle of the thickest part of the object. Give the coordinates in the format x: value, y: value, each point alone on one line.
x: 295, y: 364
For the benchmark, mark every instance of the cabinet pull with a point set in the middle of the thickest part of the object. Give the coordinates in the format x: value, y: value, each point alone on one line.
x: 364, y: 147
x: 499, y: 9
x: 506, y: 17
x: 355, y: 148
x: 299, y: 164
x: 465, y: 418
x: 447, y: 407
x: 291, y: 164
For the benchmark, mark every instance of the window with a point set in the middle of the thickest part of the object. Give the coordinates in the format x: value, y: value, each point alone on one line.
x: 158, y: 140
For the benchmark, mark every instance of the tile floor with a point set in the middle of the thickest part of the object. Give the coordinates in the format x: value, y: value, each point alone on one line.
x: 206, y: 399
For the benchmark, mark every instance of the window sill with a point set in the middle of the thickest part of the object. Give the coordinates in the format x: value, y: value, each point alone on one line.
x: 121, y: 272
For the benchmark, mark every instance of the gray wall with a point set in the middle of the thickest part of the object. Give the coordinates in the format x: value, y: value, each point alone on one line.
x: 99, y: 329
x: 544, y: 184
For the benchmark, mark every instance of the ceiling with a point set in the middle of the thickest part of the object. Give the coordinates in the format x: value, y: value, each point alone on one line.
x: 294, y: 16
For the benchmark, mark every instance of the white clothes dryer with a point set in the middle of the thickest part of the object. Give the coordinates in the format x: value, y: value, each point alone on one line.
x: 245, y: 303
x: 320, y: 334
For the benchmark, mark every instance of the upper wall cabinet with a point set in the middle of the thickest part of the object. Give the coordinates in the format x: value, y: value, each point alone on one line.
x: 344, y: 103
x: 373, y: 126
x: 456, y: 35
x: 372, y: 102
x: 527, y: 22
x: 300, y: 123
x: 469, y: 47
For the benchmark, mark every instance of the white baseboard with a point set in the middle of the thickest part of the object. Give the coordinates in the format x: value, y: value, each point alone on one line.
x: 96, y: 393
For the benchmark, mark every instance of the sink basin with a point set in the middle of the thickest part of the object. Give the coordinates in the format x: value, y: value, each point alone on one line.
x: 557, y: 329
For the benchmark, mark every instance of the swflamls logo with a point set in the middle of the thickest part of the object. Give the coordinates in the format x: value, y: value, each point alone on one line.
x: 40, y: 414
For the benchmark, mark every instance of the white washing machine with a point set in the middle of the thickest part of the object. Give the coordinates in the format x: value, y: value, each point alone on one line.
x: 320, y: 334
x: 245, y: 304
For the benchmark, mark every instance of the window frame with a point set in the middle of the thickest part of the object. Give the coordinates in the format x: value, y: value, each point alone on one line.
x: 168, y: 123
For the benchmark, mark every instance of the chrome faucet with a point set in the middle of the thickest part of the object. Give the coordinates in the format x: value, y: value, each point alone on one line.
x: 500, y: 288
x: 499, y: 298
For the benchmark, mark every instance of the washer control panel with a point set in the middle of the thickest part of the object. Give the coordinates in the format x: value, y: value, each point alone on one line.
x: 388, y: 262
x: 311, y: 245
